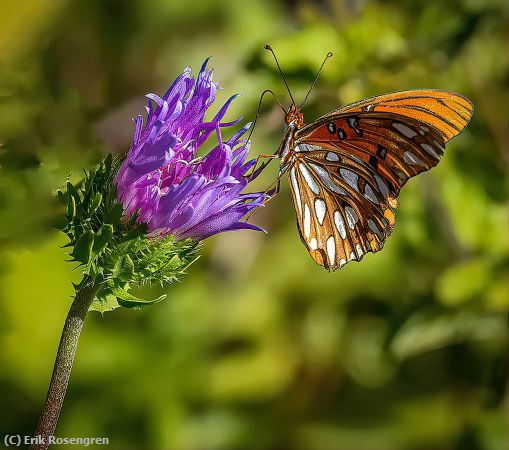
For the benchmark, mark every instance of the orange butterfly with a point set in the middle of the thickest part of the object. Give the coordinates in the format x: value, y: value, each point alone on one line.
x: 347, y: 167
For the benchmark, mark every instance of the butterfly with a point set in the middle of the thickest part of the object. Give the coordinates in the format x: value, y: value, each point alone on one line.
x: 346, y: 168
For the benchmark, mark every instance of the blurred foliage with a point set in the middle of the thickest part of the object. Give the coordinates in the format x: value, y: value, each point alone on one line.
x: 258, y: 348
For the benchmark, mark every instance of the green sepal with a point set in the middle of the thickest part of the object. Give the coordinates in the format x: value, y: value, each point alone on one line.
x: 102, y: 238
x: 69, y: 244
x: 107, y: 163
x: 114, y: 215
x: 61, y: 196
x: 137, y: 230
x: 96, y: 202
x: 191, y: 261
x: 74, y: 192
x: 116, y: 248
x: 123, y: 268
x: 71, y: 208
x: 82, y: 251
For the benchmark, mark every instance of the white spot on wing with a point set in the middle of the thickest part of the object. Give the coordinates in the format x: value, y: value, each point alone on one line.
x: 313, y: 245
x: 320, y: 209
x: 352, y: 256
x: 342, y: 262
x: 401, y: 175
x: 439, y: 145
x: 307, y: 148
x: 340, y: 225
x: 412, y: 159
x: 430, y: 150
x: 331, y: 157
x: 350, y: 177
x: 404, y: 130
x: 351, y: 217
x: 307, y: 221
x: 369, y: 194
x: 372, y: 226
x: 359, y: 251
x: 331, y: 250
x: 382, y: 186
x: 296, y: 191
x: 326, y: 179
x: 309, y: 179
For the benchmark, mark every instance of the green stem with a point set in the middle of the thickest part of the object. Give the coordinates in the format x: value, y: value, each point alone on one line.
x: 63, y: 363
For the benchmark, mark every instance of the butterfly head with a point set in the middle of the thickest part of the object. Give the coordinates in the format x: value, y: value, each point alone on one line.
x: 294, y: 117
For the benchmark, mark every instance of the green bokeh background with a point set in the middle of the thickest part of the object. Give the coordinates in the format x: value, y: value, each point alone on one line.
x: 258, y: 348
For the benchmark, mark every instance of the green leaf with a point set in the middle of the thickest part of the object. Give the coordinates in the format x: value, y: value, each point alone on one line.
x: 102, y: 238
x: 128, y: 300
x: 104, y: 303
x: 82, y: 251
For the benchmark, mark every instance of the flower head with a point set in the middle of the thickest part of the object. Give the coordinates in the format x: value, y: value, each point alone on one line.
x: 173, y: 191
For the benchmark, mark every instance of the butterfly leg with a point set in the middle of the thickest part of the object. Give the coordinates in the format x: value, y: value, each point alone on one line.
x: 257, y: 170
x: 273, y: 191
x: 270, y: 192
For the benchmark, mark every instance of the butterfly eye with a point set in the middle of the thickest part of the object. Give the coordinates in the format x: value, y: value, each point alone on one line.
x: 290, y: 116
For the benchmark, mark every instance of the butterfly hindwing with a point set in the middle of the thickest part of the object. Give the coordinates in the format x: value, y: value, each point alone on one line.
x: 337, y: 222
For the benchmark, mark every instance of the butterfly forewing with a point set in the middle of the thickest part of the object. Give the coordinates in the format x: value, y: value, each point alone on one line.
x: 350, y: 165
x: 447, y: 112
x: 395, y: 148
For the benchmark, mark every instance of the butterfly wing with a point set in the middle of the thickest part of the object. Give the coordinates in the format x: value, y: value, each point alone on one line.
x: 337, y: 222
x: 351, y: 164
x: 447, y: 112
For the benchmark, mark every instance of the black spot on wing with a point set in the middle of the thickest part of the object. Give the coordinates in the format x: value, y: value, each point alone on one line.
x: 341, y: 134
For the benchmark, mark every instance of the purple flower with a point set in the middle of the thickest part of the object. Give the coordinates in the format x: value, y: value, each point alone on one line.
x: 173, y: 190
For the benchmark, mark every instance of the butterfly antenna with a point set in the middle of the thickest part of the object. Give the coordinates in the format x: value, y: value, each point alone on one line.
x: 269, y: 48
x: 316, y: 78
x: 266, y: 91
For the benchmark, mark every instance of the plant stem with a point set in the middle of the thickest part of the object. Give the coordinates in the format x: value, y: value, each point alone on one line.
x: 63, y: 363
